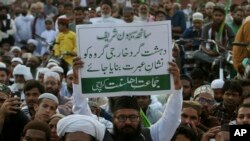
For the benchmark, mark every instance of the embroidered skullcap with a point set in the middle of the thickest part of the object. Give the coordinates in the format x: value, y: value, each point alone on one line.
x: 203, y: 89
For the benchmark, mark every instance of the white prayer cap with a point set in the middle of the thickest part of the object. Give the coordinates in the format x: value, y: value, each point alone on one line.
x: 41, y: 71
x: 81, y: 123
x: 51, y: 74
x: 57, y: 69
x: 17, y: 59
x: 217, y: 84
x: 209, y: 4
x: 69, y: 72
x: 98, y: 9
x: 32, y: 41
x: 2, y: 65
x: 23, y: 70
x: 49, y: 96
x: 15, y: 48
x: 197, y: 16
x: 51, y: 64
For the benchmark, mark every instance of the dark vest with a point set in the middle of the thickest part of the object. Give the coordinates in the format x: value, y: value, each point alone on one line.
x: 145, y: 135
x: 5, y: 28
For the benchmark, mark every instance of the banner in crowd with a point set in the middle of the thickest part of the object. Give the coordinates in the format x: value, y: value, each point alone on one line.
x: 125, y: 59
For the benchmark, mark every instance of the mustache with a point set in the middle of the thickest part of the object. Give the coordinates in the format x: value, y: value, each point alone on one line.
x: 127, y: 127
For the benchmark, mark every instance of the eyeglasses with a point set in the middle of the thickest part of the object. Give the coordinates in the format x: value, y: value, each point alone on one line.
x: 203, y: 101
x: 123, y: 118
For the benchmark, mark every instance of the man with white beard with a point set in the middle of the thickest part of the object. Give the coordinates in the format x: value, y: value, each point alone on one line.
x: 143, y: 15
x: 21, y: 75
x: 106, y: 11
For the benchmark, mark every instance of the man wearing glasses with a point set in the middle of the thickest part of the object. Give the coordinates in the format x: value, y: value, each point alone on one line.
x: 126, y: 116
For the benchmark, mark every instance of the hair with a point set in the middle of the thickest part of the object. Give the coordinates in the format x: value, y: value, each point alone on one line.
x: 79, y: 8
x: 193, y: 104
x: 233, y: 7
x: 5, y: 70
x: 238, y: 9
x: 126, y: 102
x: 33, y: 84
x: 244, y: 83
x: 245, y: 96
x: 38, y: 125
x: 197, y: 73
x: 4, y: 8
x: 186, y: 77
x: 247, y: 105
x: 232, y: 85
x: 219, y: 9
x: 68, y: 5
x: 188, y: 132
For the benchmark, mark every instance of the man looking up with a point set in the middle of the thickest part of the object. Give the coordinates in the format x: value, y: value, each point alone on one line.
x: 46, y: 107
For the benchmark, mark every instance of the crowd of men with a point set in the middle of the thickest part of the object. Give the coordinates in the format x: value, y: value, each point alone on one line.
x: 40, y: 95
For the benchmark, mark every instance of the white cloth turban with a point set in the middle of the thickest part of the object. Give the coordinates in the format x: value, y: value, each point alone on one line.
x: 217, y: 84
x: 81, y: 123
x: 17, y: 59
x: 23, y: 70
